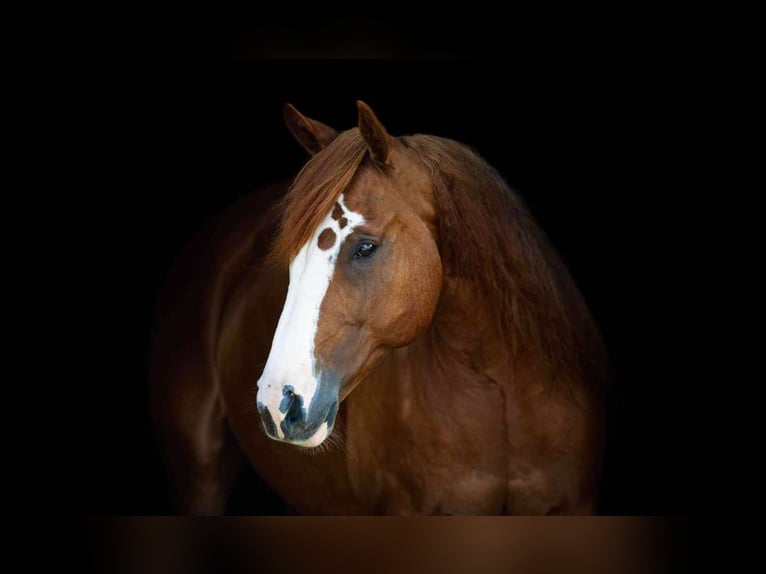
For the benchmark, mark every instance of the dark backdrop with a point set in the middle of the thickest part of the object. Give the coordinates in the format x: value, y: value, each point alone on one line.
x: 596, y: 153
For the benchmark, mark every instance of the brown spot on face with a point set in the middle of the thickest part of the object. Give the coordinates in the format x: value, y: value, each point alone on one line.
x: 337, y: 212
x: 326, y: 239
x: 342, y: 223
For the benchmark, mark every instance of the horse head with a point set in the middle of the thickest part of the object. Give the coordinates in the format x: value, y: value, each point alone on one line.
x: 359, y: 232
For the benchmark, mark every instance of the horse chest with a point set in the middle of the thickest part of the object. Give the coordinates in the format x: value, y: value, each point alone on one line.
x: 419, y: 452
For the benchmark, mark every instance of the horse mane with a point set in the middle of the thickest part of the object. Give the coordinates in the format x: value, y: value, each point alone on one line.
x: 485, y: 235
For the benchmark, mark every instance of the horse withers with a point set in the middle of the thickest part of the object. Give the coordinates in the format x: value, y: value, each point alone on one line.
x: 404, y: 341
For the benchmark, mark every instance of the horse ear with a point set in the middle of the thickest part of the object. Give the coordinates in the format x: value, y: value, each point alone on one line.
x: 311, y: 134
x: 374, y: 133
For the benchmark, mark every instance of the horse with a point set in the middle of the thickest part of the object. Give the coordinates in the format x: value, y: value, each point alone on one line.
x: 392, y: 334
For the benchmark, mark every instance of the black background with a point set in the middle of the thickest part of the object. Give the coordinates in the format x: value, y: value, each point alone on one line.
x: 598, y: 151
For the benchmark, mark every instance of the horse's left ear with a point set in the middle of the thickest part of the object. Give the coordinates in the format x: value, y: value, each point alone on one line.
x: 374, y: 133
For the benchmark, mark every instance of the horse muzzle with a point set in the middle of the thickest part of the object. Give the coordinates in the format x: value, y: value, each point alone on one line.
x: 296, y: 423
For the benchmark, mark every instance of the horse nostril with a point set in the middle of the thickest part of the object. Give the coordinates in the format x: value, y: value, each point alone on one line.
x: 293, y: 413
x: 288, y: 397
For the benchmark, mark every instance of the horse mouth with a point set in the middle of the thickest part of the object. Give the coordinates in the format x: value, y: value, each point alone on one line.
x: 317, y: 438
x: 300, y: 429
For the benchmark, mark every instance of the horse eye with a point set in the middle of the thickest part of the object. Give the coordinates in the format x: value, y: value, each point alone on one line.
x: 365, y: 249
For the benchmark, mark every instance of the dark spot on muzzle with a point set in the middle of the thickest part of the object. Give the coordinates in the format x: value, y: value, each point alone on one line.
x: 268, y: 422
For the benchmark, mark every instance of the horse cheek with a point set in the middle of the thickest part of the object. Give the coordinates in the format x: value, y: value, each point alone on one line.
x: 414, y: 293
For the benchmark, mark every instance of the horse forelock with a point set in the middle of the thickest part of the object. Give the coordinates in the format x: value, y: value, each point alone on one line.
x: 314, y: 192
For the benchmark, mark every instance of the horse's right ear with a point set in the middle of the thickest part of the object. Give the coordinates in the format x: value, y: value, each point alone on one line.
x: 311, y: 134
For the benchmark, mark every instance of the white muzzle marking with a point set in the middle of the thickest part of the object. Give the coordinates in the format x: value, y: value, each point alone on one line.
x: 291, y: 359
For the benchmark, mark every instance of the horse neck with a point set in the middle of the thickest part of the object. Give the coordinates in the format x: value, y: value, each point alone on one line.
x: 466, y: 337
x: 461, y: 342
x: 464, y: 330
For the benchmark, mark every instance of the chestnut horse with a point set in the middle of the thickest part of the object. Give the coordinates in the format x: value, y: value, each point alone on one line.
x: 404, y: 341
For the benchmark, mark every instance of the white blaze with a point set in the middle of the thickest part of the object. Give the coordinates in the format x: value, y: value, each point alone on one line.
x: 291, y: 359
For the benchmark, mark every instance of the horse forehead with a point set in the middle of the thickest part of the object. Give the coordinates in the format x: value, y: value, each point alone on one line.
x: 369, y: 193
x: 377, y: 194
